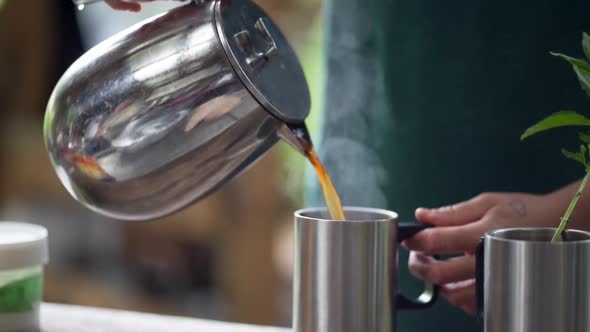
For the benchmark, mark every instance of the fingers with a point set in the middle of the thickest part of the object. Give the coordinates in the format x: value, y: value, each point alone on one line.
x: 123, y: 5
x: 455, y: 275
x: 462, y: 295
x: 448, y: 240
x: 458, y: 214
x: 440, y: 272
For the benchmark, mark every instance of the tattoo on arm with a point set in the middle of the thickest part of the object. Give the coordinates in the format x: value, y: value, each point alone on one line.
x: 519, y: 207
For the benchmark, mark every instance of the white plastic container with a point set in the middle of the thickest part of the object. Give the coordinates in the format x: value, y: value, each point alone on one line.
x: 23, y: 252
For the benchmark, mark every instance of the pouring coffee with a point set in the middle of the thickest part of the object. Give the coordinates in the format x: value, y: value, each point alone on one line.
x: 167, y: 111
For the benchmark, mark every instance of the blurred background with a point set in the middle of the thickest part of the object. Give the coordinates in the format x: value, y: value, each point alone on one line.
x: 227, y: 257
x: 425, y: 99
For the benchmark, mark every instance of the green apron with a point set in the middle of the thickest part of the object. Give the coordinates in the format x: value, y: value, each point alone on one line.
x: 426, y: 100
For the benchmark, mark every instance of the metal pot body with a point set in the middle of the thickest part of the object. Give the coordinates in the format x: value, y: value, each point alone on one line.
x: 155, y: 118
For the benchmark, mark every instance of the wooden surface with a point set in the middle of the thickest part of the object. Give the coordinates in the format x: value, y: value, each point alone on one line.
x: 65, y: 318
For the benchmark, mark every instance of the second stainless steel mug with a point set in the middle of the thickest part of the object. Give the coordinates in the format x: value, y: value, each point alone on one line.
x: 345, y: 272
x: 528, y: 284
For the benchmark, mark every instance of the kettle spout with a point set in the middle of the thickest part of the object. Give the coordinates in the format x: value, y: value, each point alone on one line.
x: 297, y: 136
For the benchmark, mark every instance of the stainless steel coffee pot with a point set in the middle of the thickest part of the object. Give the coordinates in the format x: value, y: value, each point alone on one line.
x: 167, y: 111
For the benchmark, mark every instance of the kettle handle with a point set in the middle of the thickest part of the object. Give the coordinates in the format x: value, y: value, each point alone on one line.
x: 87, y: 2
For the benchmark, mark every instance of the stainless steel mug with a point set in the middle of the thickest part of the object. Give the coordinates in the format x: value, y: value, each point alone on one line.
x: 345, y: 271
x: 528, y: 284
x: 167, y: 111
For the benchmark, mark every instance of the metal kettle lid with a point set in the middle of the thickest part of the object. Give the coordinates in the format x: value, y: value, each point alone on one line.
x: 263, y: 59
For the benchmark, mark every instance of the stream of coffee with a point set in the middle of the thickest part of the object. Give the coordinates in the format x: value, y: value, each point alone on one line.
x: 331, y: 196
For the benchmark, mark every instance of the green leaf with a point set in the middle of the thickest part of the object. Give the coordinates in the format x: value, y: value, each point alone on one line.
x: 573, y: 61
x: 573, y: 156
x: 555, y: 120
x: 584, y: 137
x: 581, y: 68
x: 586, y: 44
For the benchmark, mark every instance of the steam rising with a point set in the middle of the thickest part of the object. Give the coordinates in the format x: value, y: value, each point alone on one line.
x: 356, y: 118
x: 357, y: 172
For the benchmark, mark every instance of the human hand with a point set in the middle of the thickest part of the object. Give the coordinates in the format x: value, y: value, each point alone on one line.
x: 459, y: 229
x: 129, y: 5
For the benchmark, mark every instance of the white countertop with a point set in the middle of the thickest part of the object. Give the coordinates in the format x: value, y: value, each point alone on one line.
x: 66, y: 318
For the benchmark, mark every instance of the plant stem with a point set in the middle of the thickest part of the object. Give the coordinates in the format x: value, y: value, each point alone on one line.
x: 571, y: 207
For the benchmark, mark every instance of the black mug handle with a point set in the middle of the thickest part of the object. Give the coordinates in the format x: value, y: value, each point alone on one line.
x: 479, y: 275
x: 429, y: 296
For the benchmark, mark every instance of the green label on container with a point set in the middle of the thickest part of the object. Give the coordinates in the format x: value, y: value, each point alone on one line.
x: 21, y: 295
